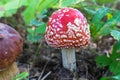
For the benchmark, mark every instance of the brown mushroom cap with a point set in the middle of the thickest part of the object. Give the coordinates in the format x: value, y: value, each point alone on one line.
x: 11, y: 45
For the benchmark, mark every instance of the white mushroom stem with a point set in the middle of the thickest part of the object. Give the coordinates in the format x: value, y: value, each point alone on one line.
x: 69, y: 59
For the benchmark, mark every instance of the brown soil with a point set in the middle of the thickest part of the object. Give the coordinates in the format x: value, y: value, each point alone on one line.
x: 41, y: 60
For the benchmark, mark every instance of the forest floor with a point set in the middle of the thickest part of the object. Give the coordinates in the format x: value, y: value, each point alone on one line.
x: 44, y: 63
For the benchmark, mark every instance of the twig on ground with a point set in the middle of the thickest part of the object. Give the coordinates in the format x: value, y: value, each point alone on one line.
x: 46, y: 75
x: 43, y: 71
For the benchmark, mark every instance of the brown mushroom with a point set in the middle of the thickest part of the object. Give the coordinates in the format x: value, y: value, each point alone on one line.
x: 11, y: 45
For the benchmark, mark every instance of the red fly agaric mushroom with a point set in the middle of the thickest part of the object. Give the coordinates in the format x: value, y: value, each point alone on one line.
x: 11, y: 45
x: 67, y: 29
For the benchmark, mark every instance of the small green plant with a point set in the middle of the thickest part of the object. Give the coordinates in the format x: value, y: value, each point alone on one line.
x: 113, y: 61
x: 103, y: 21
x: 37, y: 29
x: 22, y: 76
x: 8, y: 8
x: 116, y: 77
x: 115, y: 34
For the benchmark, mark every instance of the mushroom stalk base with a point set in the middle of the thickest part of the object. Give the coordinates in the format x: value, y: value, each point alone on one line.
x: 9, y: 73
x: 69, y: 59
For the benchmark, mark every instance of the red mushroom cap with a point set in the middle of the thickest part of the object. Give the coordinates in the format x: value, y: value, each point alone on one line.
x: 67, y: 28
x: 11, y: 45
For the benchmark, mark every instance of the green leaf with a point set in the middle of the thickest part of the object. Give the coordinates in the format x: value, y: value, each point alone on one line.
x: 96, y: 21
x: 10, y: 8
x: 115, y: 52
x: 34, y: 38
x: 30, y: 11
x: 2, y: 12
x: 114, y: 67
x: 100, y: 28
x: 113, y: 62
x: 44, y: 4
x: 34, y: 33
x: 116, y: 77
x: 36, y: 30
x: 3, y: 2
x: 115, y: 34
x: 104, y: 78
x: 114, y: 56
x: 116, y: 48
x: 90, y: 11
x: 21, y: 76
x: 102, y: 61
x: 98, y: 16
x: 41, y: 29
x: 36, y: 7
x: 14, y: 4
x: 64, y: 3
x: 9, y: 13
x: 35, y: 22
x: 109, y: 25
x: 104, y: 1
x: 31, y: 30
